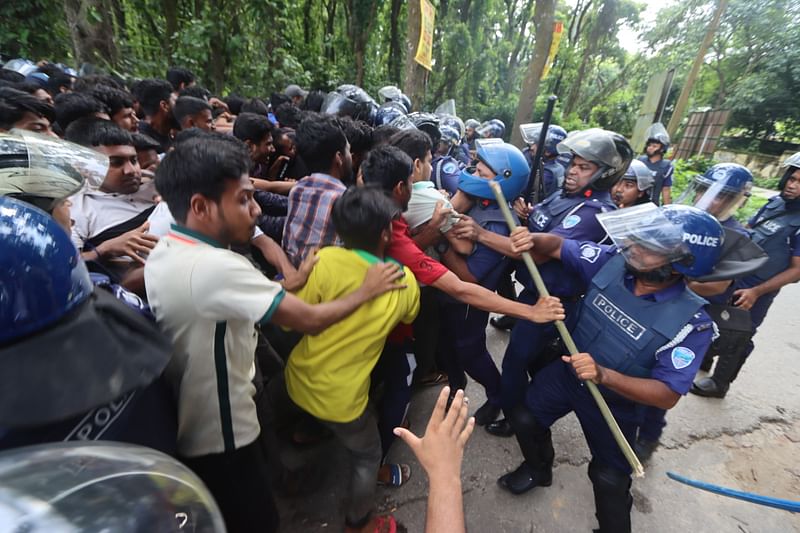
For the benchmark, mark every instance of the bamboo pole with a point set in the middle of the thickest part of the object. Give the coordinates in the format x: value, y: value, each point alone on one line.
x: 622, y: 442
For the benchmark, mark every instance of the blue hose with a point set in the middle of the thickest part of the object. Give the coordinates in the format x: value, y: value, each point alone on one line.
x: 777, y: 503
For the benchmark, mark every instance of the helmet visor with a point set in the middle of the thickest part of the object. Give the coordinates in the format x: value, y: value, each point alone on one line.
x: 337, y: 104
x: 530, y: 132
x: 715, y: 198
x: 54, y: 168
x: 644, y: 236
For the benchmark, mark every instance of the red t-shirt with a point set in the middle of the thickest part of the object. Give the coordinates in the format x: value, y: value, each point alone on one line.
x: 404, y: 250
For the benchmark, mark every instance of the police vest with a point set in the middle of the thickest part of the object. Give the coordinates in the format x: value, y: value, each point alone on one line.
x: 772, y: 231
x: 487, y: 211
x: 622, y: 331
x: 555, y: 208
x: 445, y: 173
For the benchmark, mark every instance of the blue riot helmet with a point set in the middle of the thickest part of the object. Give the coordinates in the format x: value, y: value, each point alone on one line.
x: 67, y: 347
x: 403, y: 122
x: 472, y: 123
x: 387, y: 112
x: 429, y: 123
x: 491, y: 129
x: 555, y: 134
x: 450, y: 137
x: 508, y: 164
x: 702, y: 235
x: 657, y: 133
x: 454, y: 122
x: 791, y: 164
x: 722, y: 190
x: 43, y: 276
x: 610, y: 151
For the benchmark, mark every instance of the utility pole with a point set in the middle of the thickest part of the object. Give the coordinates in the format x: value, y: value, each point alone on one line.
x: 683, y: 99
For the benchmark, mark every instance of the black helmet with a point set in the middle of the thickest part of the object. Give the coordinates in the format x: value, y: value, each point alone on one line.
x: 352, y: 101
x: 429, y: 123
x: 607, y: 149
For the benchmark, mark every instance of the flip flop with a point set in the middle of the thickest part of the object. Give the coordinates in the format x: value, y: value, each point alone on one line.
x: 385, y: 524
x: 400, y: 473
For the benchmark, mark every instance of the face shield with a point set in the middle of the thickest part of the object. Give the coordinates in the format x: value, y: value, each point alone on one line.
x: 717, y: 198
x: 448, y: 107
x: 644, y: 236
x: 338, y: 104
x: 530, y: 132
x: 47, y: 169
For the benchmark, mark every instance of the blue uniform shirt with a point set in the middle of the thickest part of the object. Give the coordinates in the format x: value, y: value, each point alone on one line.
x: 586, y: 259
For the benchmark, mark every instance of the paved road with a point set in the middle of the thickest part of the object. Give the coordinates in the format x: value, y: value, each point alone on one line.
x: 747, y: 441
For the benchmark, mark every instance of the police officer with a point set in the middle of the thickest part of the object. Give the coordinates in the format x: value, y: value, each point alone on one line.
x: 600, y: 158
x: 552, y: 172
x: 646, y: 333
x: 720, y: 192
x: 635, y: 186
x: 775, y: 228
x: 464, y: 327
x: 655, y: 150
x: 491, y: 129
x: 446, y: 169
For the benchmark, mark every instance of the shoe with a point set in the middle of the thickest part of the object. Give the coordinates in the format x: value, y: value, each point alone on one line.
x: 524, y: 478
x: 486, y: 413
x: 505, y: 322
x: 644, y: 449
x: 500, y: 428
x: 708, y: 388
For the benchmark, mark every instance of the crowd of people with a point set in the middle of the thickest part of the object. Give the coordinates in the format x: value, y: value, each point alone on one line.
x: 220, y: 277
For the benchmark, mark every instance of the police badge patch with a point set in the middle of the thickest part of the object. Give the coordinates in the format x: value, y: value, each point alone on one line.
x: 571, y: 221
x: 682, y: 357
x: 590, y: 252
x: 450, y: 167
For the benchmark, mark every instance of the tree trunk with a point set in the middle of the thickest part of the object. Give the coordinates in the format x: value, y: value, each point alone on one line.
x: 416, y: 76
x: 91, y: 42
x: 394, y: 42
x: 170, y: 9
x: 683, y: 99
x: 543, y: 17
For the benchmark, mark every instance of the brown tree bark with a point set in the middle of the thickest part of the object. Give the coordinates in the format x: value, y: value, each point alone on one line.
x: 543, y: 17
x: 92, y: 40
x: 395, y: 57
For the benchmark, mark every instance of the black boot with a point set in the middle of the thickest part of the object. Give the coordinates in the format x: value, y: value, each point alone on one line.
x: 612, y: 498
x: 504, y: 322
x: 708, y: 360
x: 500, y: 428
x: 486, y: 414
x: 536, y: 444
x: 717, y: 385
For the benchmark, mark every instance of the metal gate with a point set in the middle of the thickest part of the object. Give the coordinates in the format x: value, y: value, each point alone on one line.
x: 701, y: 134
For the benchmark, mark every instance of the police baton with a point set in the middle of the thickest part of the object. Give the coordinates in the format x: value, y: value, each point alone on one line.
x: 622, y: 442
x: 534, y: 194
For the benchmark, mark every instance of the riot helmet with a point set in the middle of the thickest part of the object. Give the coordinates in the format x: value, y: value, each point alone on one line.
x: 508, y: 164
x: 389, y: 111
x: 427, y: 122
x: 722, y: 190
x: 643, y: 176
x: 494, y: 128
x: 390, y: 93
x: 791, y: 164
x: 352, y: 101
x: 472, y: 123
x: 449, y: 136
x: 555, y: 134
x: 657, y: 133
x: 610, y: 151
x: 454, y: 122
x: 703, y: 235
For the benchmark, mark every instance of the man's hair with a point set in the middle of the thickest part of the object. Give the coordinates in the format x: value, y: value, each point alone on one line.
x: 195, y: 90
x: 415, y: 143
x: 319, y: 138
x: 56, y: 80
x: 314, y: 101
x: 151, y: 93
x: 288, y: 115
x: 72, y: 106
x: 178, y: 75
x: 185, y: 135
x: 385, y: 167
x: 382, y: 134
x: 114, y: 99
x: 144, y: 142
x: 278, y: 99
x: 14, y: 104
x: 255, y: 105
x: 93, y: 131
x: 87, y: 83
x: 187, y: 106
x: 234, y: 103
x: 11, y: 75
x: 201, y: 165
x: 361, y: 214
x: 358, y: 133
x: 252, y: 127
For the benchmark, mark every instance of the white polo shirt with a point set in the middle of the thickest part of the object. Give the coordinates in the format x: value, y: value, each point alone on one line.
x: 207, y: 299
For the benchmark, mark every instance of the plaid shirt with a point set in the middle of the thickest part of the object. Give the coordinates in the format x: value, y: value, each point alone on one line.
x: 308, y: 223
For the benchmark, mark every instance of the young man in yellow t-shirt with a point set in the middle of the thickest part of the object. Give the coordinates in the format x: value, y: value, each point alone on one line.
x: 328, y: 375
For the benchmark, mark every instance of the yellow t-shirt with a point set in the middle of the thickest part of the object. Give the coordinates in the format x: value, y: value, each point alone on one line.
x: 328, y: 374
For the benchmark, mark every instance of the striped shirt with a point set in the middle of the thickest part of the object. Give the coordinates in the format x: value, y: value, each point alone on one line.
x: 308, y: 222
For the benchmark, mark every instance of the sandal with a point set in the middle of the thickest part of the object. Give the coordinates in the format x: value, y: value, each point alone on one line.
x: 400, y: 473
x: 385, y: 524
